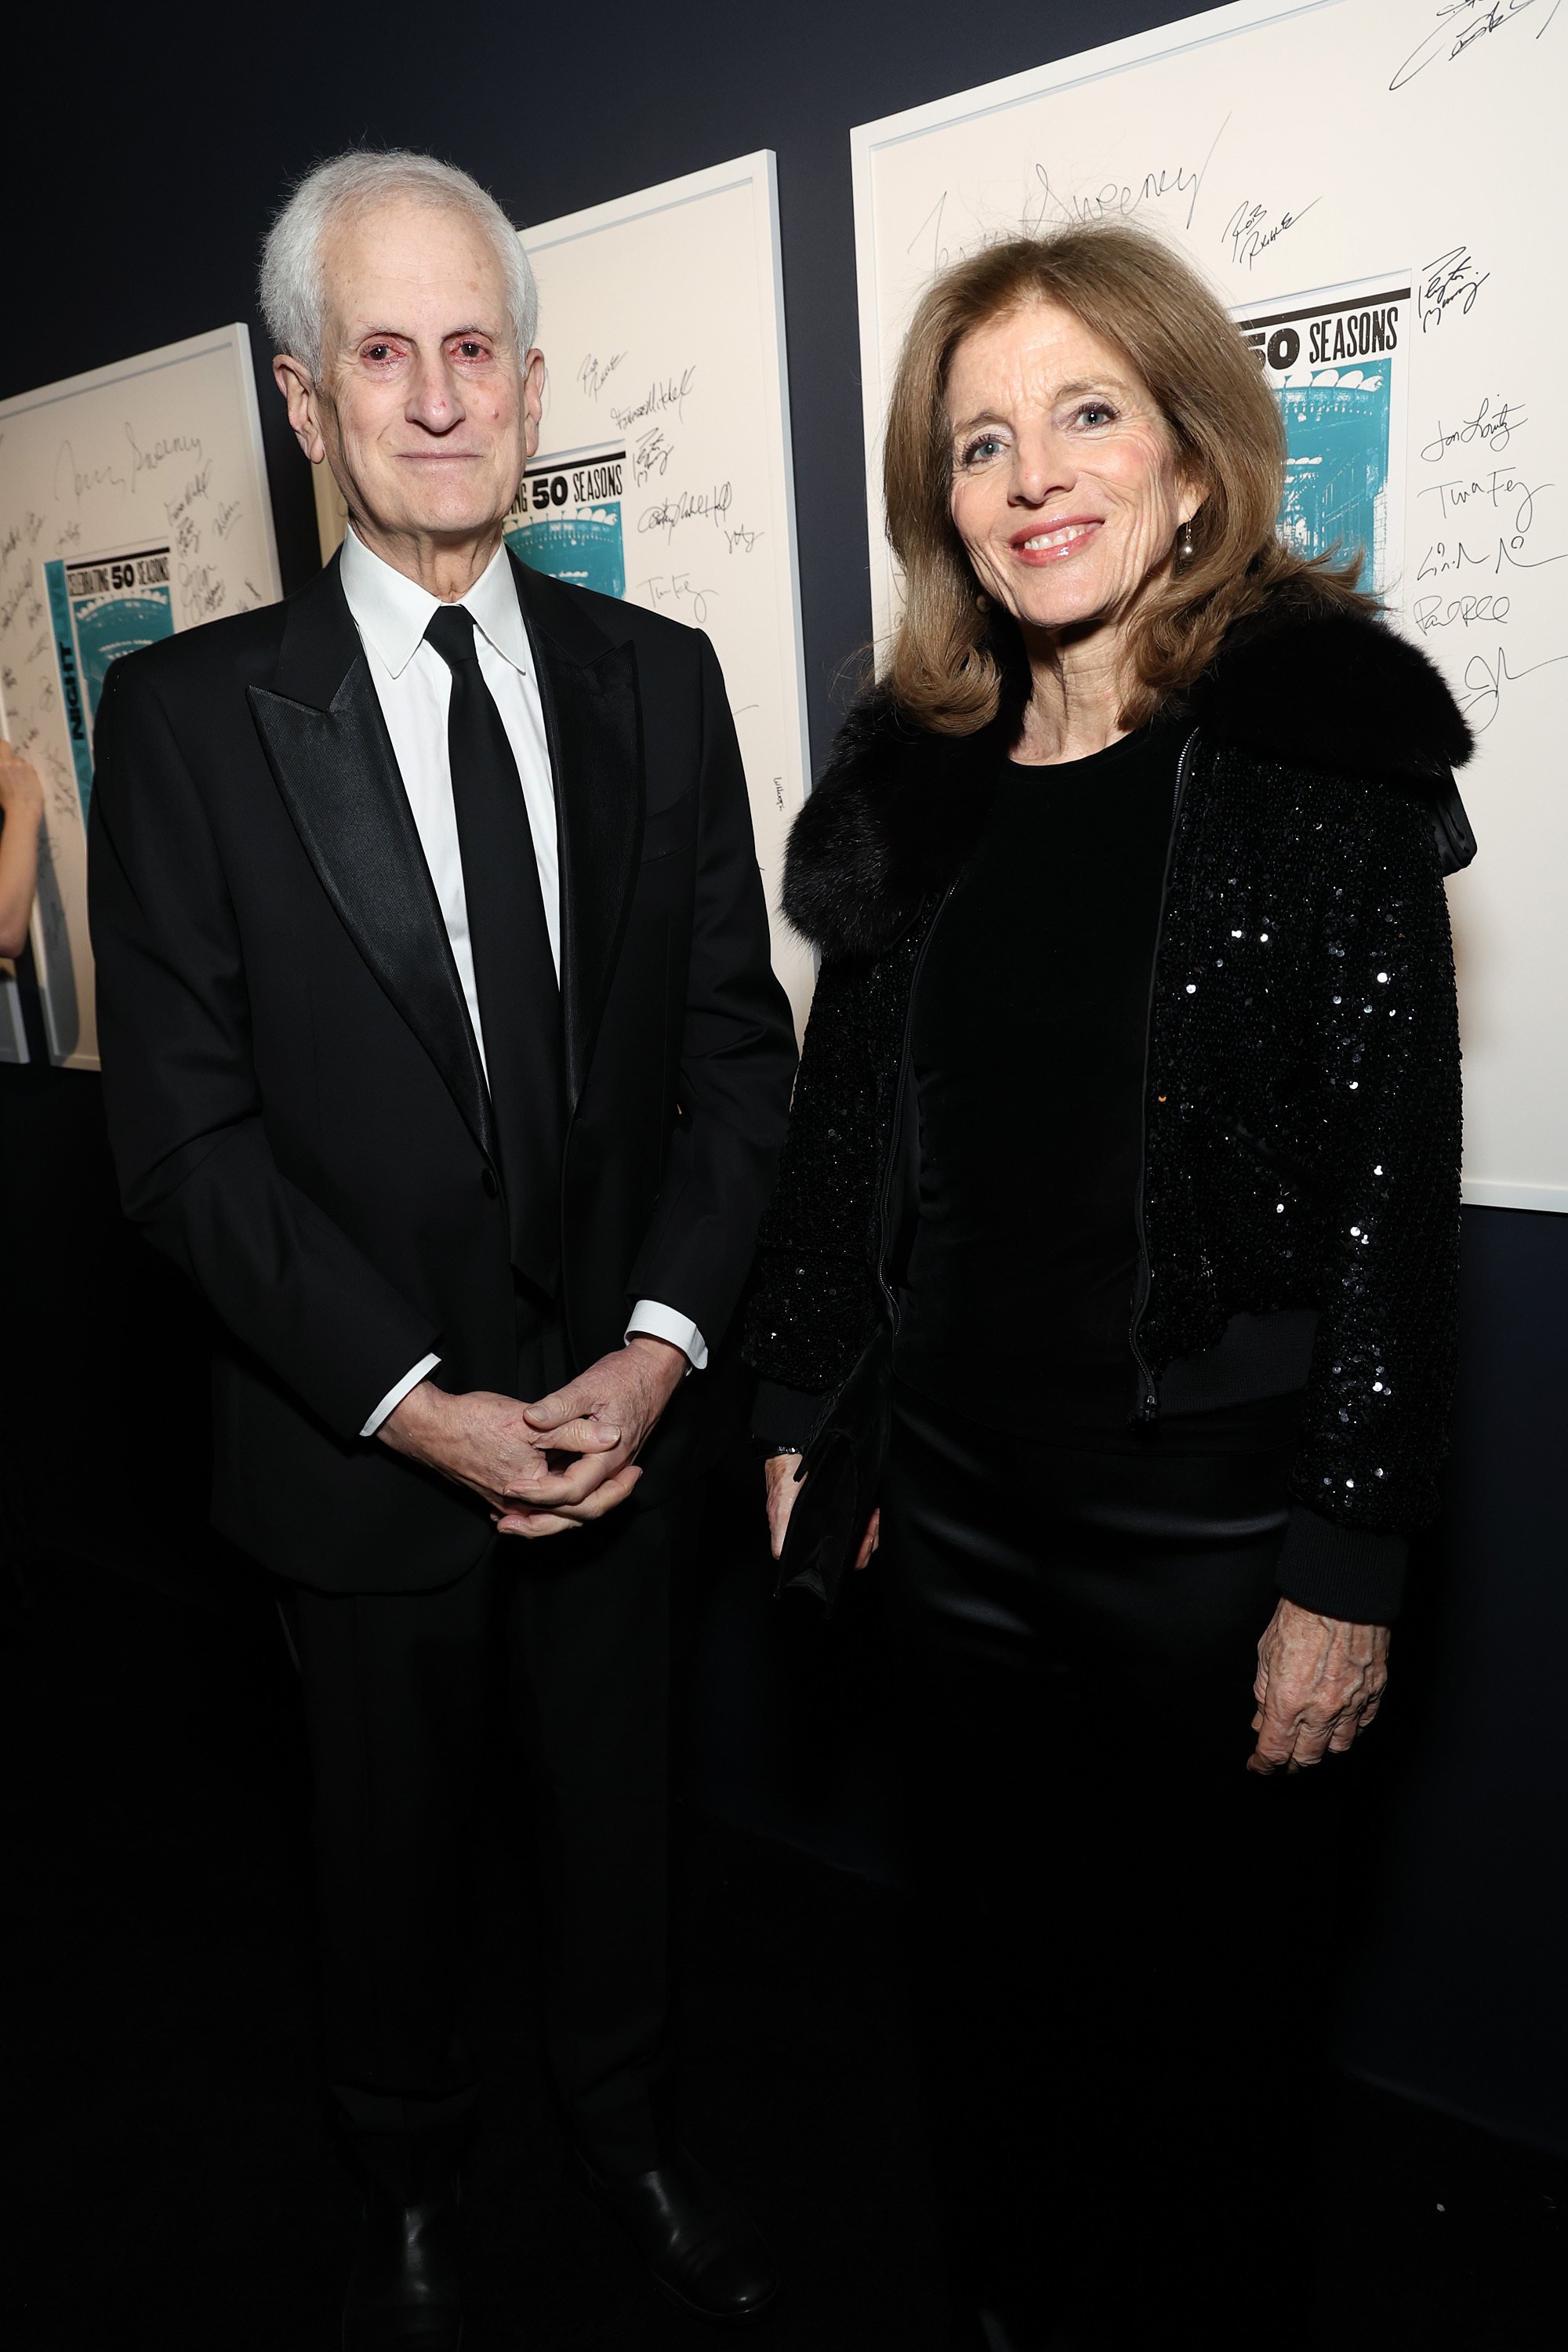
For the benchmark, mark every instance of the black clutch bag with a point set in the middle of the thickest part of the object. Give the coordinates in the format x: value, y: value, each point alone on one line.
x: 839, y: 1473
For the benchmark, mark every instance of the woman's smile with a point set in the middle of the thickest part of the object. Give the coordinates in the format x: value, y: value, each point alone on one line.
x: 1050, y: 543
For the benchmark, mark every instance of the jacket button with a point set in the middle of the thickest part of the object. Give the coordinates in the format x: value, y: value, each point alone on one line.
x: 487, y: 1179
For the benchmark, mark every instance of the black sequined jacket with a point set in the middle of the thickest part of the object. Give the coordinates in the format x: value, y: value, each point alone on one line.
x: 1298, y: 1208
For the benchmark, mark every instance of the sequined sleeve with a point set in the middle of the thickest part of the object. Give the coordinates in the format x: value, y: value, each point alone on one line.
x: 1374, y: 1427
x: 814, y: 1303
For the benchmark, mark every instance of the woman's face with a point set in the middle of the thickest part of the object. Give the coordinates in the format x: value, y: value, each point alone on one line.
x: 1065, y: 489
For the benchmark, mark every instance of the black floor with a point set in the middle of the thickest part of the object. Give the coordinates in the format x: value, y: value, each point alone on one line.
x: 173, y: 2180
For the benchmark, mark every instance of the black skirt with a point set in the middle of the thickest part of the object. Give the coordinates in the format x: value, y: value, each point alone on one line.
x: 1126, y: 1937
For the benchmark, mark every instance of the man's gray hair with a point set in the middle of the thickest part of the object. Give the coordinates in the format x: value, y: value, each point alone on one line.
x: 293, y: 290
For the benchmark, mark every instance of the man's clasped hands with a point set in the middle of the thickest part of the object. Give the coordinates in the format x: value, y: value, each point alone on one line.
x: 547, y: 1468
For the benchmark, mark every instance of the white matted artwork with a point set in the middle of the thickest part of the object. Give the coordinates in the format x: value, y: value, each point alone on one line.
x: 663, y: 473
x: 1347, y: 174
x: 133, y: 505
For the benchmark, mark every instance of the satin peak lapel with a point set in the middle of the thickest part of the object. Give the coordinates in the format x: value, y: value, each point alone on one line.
x: 337, y: 772
x: 593, y: 721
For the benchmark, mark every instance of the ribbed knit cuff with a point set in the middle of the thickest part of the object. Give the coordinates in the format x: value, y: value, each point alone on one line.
x: 784, y: 1416
x: 1347, y: 1573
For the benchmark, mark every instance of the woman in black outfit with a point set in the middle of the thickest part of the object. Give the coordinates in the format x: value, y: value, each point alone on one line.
x: 1130, y: 1106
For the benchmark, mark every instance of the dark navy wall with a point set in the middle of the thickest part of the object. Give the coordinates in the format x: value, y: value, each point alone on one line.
x: 207, y: 114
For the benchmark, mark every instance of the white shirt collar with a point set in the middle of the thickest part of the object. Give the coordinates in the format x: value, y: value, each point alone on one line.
x: 391, y: 612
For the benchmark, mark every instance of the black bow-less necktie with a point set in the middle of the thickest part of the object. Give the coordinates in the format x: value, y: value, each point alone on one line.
x: 519, y: 998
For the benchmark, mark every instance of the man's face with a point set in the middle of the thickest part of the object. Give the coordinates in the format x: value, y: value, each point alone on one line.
x: 425, y: 411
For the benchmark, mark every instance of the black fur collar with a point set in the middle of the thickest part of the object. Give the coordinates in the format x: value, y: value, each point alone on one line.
x: 1302, y: 682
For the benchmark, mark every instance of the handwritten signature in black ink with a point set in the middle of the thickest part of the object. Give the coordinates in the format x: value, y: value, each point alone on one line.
x: 173, y: 445
x: 1494, y: 428
x: 1115, y: 199
x: 678, y: 590
x: 669, y: 392
x: 1452, y: 279
x: 1484, y: 682
x: 1485, y: 549
x: 690, y: 506
x: 1460, y: 24
x: 651, y: 453
x: 202, y: 591
x: 1430, y: 613
x: 1249, y: 235
x: 1492, y: 490
x: 82, y: 478
x: 184, y: 529
x: 594, y: 374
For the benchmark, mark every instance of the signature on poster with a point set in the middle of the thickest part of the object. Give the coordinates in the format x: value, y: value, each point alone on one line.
x: 594, y: 374
x: 1493, y: 490
x: 82, y: 478
x: 688, y: 506
x: 1452, y: 279
x: 651, y: 453
x: 1485, y: 678
x: 1461, y: 23
x: 666, y: 392
x: 676, y: 589
x: 1175, y: 186
x: 1250, y: 234
x: 1492, y: 426
x: 175, y: 445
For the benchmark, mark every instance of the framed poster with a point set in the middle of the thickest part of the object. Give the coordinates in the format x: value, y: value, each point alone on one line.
x: 664, y: 470
x: 132, y: 504
x: 1345, y: 174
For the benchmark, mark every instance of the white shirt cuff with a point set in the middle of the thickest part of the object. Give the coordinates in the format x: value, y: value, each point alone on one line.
x: 395, y: 1396
x: 663, y: 1323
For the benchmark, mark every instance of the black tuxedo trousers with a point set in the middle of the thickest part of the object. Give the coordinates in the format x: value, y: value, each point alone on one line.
x: 570, y: 1635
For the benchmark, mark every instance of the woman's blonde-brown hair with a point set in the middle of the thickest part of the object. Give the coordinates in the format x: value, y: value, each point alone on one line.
x: 945, y: 663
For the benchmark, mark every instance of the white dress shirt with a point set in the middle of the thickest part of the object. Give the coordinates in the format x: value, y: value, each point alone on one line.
x: 414, y: 685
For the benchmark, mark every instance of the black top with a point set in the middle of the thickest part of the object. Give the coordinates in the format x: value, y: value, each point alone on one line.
x: 1028, y: 1038
x: 1303, y: 1143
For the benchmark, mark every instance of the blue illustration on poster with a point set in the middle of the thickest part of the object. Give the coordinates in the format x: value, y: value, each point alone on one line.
x: 584, y: 548
x: 1336, y: 468
x: 1335, y: 360
x: 102, y: 607
x: 567, y: 522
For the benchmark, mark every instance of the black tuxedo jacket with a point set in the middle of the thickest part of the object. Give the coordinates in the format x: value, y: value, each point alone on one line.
x: 296, y: 1102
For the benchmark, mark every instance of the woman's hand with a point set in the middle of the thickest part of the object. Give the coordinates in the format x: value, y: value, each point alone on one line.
x: 1320, y: 1681
x: 783, y: 1488
x: 22, y: 801
x: 779, y: 1470
x: 21, y: 795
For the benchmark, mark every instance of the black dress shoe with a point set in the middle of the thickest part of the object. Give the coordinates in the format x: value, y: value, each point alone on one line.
x: 703, y: 2252
x: 404, y: 2294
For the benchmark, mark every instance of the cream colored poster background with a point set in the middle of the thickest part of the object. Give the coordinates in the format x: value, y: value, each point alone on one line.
x: 164, y: 448
x: 661, y: 318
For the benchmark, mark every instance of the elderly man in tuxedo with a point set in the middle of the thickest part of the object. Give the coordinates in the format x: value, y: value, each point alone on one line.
x: 442, y: 1050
